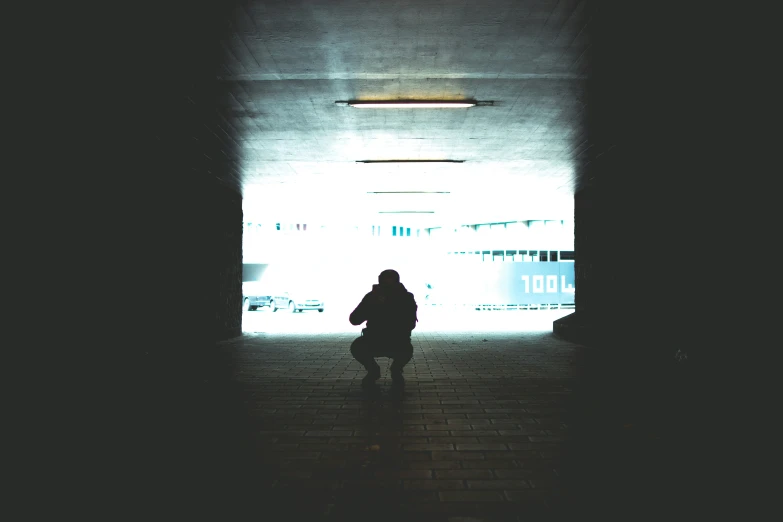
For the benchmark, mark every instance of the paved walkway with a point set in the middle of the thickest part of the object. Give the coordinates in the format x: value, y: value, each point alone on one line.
x: 490, y: 426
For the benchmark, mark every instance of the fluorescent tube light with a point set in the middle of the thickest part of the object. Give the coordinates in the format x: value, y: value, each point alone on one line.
x: 411, y: 161
x: 412, y: 104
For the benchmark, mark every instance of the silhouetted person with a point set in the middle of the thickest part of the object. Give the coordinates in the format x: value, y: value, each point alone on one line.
x: 390, y: 312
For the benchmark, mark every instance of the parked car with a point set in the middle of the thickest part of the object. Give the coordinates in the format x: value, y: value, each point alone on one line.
x: 253, y: 296
x: 296, y: 301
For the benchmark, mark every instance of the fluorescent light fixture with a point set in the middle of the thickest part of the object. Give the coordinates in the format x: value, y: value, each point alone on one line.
x: 406, y: 212
x: 411, y: 161
x: 414, y: 104
x: 410, y: 104
x: 409, y: 192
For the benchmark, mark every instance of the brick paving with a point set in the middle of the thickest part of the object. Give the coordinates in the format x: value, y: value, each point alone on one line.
x: 488, y: 427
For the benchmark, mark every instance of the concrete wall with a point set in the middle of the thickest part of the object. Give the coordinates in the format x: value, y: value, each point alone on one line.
x: 174, y: 206
x: 649, y: 282
x: 643, y: 210
x: 228, y: 252
x: 190, y: 210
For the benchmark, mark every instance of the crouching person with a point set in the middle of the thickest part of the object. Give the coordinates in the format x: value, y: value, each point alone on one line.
x: 390, y: 312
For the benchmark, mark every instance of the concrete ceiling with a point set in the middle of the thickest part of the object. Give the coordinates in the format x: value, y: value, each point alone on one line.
x: 285, y: 64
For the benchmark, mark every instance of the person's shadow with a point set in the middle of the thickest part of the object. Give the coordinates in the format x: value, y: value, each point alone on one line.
x: 373, y: 487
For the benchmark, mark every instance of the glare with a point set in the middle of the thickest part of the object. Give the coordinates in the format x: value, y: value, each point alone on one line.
x: 339, y: 261
x: 335, y: 230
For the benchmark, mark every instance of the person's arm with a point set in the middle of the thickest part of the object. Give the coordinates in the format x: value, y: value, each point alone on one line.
x: 359, y: 315
x: 415, y: 307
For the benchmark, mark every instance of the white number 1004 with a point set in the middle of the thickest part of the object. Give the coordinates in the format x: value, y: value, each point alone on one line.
x: 550, y: 287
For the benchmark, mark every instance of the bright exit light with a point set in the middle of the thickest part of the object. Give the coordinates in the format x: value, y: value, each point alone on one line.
x: 411, y: 104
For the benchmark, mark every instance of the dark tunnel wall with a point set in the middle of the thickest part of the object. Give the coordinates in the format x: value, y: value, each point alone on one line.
x: 650, y: 222
x: 192, y: 209
x: 228, y: 250
x: 643, y: 210
x: 175, y: 204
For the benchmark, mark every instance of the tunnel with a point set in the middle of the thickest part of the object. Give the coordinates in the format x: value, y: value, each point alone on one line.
x: 535, y: 171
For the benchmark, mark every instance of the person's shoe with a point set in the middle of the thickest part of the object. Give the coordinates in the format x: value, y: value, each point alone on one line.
x: 371, y: 377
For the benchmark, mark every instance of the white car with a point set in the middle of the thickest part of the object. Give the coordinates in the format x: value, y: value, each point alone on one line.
x: 296, y: 302
x: 253, y: 296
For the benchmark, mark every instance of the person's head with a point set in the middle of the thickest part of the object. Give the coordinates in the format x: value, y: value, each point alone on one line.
x: 388, y: 278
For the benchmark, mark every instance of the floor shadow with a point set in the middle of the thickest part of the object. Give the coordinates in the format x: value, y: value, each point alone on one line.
x: 373, y: 489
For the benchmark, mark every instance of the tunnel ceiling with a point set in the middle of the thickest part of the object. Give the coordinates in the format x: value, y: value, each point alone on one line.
x: 297, y: 152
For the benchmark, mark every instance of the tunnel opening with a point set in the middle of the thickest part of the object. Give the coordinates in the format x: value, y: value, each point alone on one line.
x: 308, y: 277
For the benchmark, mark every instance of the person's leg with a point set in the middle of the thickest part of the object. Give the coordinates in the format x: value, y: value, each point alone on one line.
x: 362, y: 351
x: 403, y: 354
